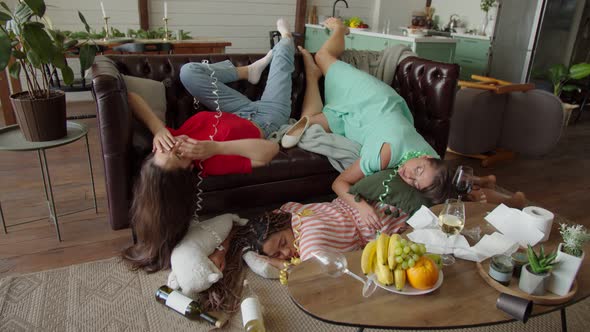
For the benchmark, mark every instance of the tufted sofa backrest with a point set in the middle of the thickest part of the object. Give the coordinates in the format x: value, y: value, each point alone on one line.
x: 166, y: 68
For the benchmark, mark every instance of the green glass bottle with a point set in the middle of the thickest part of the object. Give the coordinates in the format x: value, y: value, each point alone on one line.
x: 184, y: 305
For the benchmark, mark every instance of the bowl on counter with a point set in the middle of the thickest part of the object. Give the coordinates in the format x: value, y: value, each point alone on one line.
x: 412, y: 32
x: 460, y: 30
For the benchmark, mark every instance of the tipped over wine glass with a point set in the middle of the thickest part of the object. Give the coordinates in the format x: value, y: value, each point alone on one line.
x: 335, y: 264
x: 463, y: 180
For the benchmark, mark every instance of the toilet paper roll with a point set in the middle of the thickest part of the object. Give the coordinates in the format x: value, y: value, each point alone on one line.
x: 543, y: 217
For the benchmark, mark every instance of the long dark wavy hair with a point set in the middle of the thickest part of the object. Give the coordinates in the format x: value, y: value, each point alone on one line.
x: 225, y: 294
x: 161, y: 212
x: 441, y: 187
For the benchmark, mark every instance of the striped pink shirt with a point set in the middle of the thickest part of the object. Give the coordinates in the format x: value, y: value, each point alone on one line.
x: 337, y: 226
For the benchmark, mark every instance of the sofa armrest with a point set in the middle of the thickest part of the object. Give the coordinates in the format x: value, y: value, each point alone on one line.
x: 114, y: 128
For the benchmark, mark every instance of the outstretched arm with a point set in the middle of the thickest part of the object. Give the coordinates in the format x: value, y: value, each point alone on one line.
x: 163, y: 140
x: 259, y: 151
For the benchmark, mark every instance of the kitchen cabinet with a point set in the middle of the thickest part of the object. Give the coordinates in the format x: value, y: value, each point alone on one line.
x: 432, y: 48
x: 472, y: 54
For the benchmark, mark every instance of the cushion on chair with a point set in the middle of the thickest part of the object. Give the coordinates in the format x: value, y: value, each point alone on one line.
x: 153, y: 92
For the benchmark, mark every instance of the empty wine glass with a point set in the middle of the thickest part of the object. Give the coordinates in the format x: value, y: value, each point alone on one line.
x: 451, y: 221
x: 463, y: 180
x: 335, y: 264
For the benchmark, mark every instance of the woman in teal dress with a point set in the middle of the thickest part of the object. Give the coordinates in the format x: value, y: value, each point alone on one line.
x: 368, y: 111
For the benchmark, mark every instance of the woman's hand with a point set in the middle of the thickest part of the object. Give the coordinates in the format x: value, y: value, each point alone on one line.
x: 218, y: 258
x: 163, y: 140
x: 197, y: 150
x: 369, y: 216
x: 276, y: 262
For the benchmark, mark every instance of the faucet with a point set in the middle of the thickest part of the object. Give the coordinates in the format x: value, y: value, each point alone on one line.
x: 453, y: 23
x: 334, y: 6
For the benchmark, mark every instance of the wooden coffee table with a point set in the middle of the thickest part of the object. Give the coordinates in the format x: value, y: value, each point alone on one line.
x: 463, y: 300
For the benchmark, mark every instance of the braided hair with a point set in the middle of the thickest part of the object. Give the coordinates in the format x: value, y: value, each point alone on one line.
x: 225, y: 294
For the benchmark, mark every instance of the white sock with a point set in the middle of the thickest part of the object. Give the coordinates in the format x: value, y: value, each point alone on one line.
x: 283, y: 27
x: 255, y: 70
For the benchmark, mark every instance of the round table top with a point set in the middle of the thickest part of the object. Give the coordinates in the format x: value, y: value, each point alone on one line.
x: 12, y: 139
x: 463, y: 300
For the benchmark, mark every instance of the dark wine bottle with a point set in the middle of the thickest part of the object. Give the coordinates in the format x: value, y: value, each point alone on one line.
x: 184, y: 305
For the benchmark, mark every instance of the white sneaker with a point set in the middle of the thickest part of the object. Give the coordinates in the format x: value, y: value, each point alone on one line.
x: 293, y: 134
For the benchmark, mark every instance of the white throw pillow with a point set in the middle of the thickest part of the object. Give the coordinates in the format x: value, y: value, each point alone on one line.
x: 153, y: 92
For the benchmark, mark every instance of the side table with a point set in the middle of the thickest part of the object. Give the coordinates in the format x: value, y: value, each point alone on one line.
x: 12, y: 139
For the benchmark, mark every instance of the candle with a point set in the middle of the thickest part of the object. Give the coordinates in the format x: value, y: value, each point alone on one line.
x: 104, y: 14
x: 165, y: 9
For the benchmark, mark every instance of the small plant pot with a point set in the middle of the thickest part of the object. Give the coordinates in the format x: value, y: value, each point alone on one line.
x: 41, y: 119
x: 531, y: 283
x: 564, y: 273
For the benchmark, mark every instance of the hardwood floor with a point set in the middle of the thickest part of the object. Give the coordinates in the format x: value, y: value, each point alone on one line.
x: 559, y: 182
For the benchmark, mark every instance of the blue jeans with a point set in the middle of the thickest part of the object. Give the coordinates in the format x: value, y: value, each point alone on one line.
x: 274, y: 107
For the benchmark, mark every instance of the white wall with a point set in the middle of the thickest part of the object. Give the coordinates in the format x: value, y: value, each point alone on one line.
x: 124, y: 14
x: 359, y: 8
x: 468, y: 10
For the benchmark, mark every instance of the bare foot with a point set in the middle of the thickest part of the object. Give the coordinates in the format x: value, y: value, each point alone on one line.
x: 488, y: 181
x: 517, y: 201
x: 312, y: 71
x: 333, y: 23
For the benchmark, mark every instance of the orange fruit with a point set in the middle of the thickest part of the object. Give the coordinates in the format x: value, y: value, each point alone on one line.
x: 424, y: 274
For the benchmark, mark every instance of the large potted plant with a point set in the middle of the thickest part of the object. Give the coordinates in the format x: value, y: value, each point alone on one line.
x: 28, y: 37
x: 561, y: 77
x: 534, y: 275
x: 570, y: 255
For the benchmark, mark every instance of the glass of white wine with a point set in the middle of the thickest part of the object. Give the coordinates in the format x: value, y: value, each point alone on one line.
x: 451, y: 221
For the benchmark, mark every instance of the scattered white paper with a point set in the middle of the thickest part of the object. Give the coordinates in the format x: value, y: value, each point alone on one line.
x: 488, y: 246
x: 423, y: 218
x: 515, y: 224
x: 437, y: 242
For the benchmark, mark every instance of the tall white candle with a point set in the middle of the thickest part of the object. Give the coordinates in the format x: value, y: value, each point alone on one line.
x: 165, y: 9
x: 104, y: 14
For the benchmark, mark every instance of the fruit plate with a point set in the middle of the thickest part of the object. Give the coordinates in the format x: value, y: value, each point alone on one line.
x: 409, y: 290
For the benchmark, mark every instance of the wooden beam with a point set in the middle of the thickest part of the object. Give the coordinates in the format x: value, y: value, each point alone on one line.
x: 300, y: 20
x: 144, y: 16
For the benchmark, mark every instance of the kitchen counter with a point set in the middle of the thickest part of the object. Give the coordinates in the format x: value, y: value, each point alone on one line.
x: 426, y: 39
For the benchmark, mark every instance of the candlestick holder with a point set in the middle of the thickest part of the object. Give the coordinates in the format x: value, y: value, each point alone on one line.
x: 165, y: 19
x: 106, y: 27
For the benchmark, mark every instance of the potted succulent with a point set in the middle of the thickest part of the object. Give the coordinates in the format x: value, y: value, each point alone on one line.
x: 560, y: 76
x: 28, y: 37
x: 535, y: 274
x: 570, y: 255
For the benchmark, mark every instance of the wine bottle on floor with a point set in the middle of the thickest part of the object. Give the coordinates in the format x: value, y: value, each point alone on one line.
x: 251, y: 311
x: 184, y: 305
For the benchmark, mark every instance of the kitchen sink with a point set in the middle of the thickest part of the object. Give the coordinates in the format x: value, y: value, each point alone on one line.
x: 439, y: 33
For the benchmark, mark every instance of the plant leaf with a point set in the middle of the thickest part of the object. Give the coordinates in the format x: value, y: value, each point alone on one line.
x: 87, y: 54
x: 4, y: 50
x: 33, y: 58
x: 37, y: 6
x: 557, y: 73
x: 70, y: 43
x: 22, y: 13
x: 4, y: 17
x: 579, y: 71
x: 59, y: 60
x: 570, y: 87
x: 39, y: 41
x: 14, y: 70
x: 83, y: 19
x: 68, y: 75
x: 5, y: 6
x: 18, y: 54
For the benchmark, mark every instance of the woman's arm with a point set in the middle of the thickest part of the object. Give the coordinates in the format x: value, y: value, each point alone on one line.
x: 342, y: 185
x: 259, y: 151
x: 163, y: 140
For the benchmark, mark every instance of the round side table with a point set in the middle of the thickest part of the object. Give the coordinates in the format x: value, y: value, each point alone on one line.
x: 12, y: 139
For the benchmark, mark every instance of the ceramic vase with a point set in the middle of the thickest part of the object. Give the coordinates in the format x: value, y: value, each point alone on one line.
x: 564, y: 273
x: 567, y: 113
x: 531, y: 283
x: 484, y: 24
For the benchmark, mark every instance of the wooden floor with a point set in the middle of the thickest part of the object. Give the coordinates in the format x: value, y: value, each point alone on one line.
x: 559, y: 182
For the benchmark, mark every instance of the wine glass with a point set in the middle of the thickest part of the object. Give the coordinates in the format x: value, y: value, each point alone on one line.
x: 451, y: 221
x: 463, y: 180
x: 335, y: 264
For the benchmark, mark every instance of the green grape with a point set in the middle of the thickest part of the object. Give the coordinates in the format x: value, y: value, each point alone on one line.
x: 423, y: 249
x: 415, y: 257
x: 411, y: 263
x: 405, y: 265
x: 414, y: 247
x: 397, y: 245
x: 407, y: 250
x: 404, y: 242
x: 399, y: 259
x: 398, y: 251
x: 404, y: 256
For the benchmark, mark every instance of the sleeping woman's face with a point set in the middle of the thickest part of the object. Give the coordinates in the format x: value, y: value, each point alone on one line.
x: 280, y: 245
x: 418, y: 172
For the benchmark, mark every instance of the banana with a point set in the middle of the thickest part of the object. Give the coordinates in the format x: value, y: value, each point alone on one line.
x: 390, y: 251
x: 368, y: 257
x: 384, y: 275
x: 382, y: 242
x: 400, y: 278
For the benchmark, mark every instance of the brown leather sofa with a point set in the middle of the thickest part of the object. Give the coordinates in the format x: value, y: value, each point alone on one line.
x: 294, y: 175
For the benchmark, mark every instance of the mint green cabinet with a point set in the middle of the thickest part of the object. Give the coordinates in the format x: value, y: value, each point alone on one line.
x: 315, y: 38
x: 472, y: 55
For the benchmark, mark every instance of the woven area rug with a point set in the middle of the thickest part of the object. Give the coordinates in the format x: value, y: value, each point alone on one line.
x: 106, y: 296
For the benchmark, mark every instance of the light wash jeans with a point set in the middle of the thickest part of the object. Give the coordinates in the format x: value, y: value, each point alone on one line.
x: 274, y: 107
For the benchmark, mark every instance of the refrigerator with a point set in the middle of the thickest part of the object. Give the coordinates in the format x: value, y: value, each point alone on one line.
x: 532, y: 35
